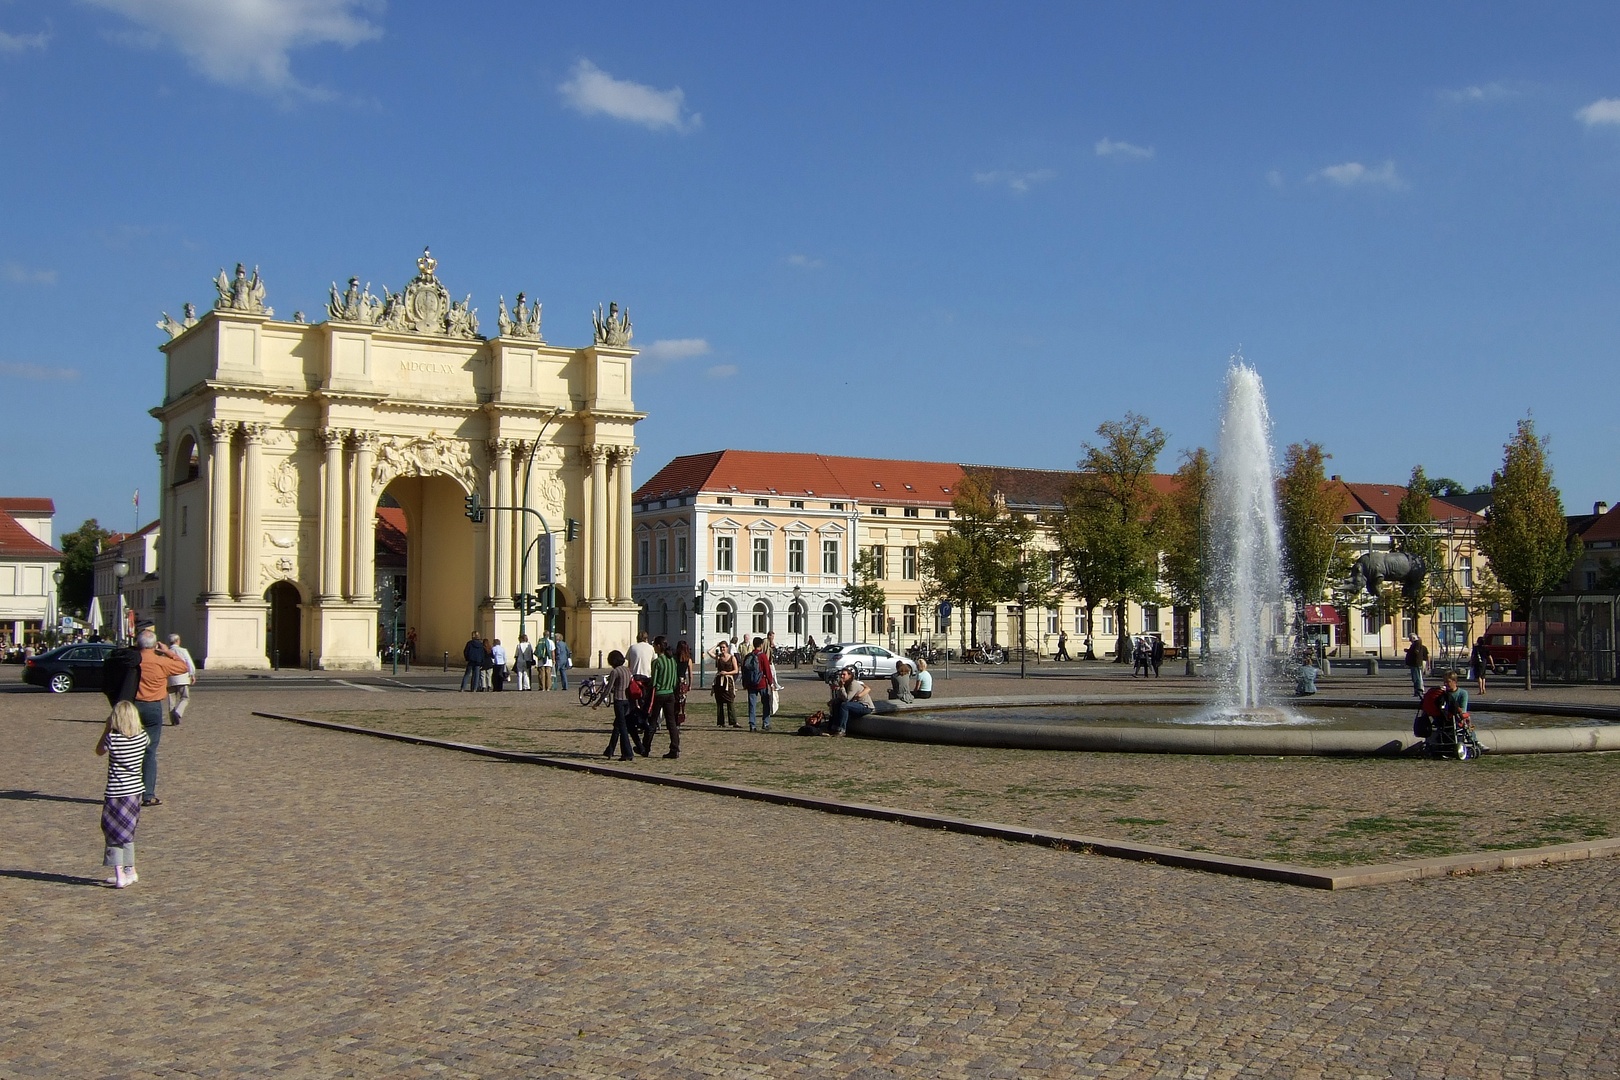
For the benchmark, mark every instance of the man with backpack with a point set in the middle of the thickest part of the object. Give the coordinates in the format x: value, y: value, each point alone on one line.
x: 757, y: 678
x: 141, y: 675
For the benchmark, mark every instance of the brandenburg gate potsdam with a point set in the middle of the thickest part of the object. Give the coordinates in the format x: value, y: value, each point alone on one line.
x: 281, y: 439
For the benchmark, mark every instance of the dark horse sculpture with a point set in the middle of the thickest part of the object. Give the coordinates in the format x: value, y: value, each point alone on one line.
x: 1377, y: 567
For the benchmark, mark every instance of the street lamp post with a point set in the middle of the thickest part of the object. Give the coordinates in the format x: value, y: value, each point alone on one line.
x: 798, y: 623
x: 702, y: 594
x: 52, y: 609
x: 120, y: 569
x: 1023, y: 628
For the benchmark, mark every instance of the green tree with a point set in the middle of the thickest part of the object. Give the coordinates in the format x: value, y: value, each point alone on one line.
x: 1105, y: 533
x: 977, y: 563
x: 1309, y: 508
x: 863, y: 594
x: 1183, y: 532
x: 1524, y: 534
x: 1444, y: 486
x: 1417, y: 538
x: 80, y: 548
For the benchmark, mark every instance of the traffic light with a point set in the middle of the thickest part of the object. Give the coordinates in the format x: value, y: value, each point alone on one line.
x: 573, y: 529
x: 475, y: 508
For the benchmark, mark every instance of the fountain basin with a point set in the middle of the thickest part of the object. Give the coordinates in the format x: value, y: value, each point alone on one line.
x: 1528, y: 728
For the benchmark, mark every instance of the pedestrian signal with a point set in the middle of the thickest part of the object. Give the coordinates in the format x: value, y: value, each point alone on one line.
x: 475, y: 508
x: 573, y: 529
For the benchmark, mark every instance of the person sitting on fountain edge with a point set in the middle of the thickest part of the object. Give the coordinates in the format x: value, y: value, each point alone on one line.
x: 1305, y: 678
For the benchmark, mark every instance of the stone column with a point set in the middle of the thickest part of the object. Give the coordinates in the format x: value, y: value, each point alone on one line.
x: 332, y: 517
x: 247, y: 572
x: 599, y: 521
x: 500, y: 522
x: 363, y: 558
x: 167, y: 524
x: 622, y: 567
x: 219, y: 507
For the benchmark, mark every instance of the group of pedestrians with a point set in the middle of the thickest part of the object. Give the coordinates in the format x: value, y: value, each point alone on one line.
x: 648, y: 688
x: 147, y: 685
x: 542, y: 665
x: 1147, y: 655
x: 754, y: 673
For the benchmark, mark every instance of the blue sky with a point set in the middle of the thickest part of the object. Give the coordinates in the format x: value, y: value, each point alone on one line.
x: 932, y: 230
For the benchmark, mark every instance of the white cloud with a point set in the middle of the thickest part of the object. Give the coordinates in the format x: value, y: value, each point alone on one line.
x: 37, y: 372
x: 668, y: 350
x: 1017, y: 182
x: 1114, y: 148
x: 1601, y: 111
x: 1274, y: 178
x: 1355, y: 174
x: 1482, y: 94
x: 18, y: 274
x: 247, y: 43
x: 16, y: 43
x: 592, y: 91
x: 804, y: 262
x: 722, y: 371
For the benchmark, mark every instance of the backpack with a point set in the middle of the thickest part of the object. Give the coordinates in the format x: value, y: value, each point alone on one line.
x: 751, y: 675
x: 121, y: 675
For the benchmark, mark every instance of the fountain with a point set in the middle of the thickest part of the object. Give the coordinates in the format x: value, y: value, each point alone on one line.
x: 1247, y: 547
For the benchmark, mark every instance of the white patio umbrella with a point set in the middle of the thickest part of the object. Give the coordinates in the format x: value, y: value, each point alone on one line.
x: 94, y: 618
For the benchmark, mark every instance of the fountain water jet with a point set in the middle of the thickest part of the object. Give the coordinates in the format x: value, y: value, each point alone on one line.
x: 1247, y: 541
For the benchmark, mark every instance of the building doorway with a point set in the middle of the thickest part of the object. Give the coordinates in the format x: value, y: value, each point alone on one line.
x: 441, y: 548
x: 284, y: 637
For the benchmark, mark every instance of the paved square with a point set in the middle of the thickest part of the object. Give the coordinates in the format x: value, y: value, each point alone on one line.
x: 320, y: 904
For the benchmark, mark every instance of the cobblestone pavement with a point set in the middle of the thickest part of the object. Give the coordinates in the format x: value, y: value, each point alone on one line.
x: 318, y: 904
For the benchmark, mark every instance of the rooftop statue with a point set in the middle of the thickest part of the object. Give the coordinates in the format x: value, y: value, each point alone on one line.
x: 241, y: 293
x: 612, y: 329
x: 523, y: 322
x: 355, y: 304
x: 175, y: 329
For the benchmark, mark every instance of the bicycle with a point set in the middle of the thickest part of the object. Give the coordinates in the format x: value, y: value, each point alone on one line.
x: 988, y: 654
x: 593, y: 691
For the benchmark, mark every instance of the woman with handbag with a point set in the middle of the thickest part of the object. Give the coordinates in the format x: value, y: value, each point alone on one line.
x: 726, y: 670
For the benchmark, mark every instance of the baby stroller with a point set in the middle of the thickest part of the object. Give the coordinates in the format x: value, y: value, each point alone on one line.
x: 1447, y: 733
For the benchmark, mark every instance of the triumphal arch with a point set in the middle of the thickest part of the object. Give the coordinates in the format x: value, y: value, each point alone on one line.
x: 286, y: 442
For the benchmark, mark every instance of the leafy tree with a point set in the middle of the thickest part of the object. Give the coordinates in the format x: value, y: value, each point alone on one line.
x: 1524, y: 534
x: 1415, y: 513
x: 1443, y: 487
x: 977, y: 563
x: 1182, y: 530
x: 1105, y: 533
x: 1309, y: 508
x: 80, y: 548
x: 863, y: 594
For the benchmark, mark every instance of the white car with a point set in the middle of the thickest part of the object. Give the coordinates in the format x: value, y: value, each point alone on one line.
x: 865, y: 659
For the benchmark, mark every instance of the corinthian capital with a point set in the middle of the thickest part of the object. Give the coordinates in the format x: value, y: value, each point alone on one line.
x: 219, y: 430
x: 501, y: 448
x: 333, y: 438
x: 363, y: 440
x: 623, y: 455
x: 253, y: 431
x: 597, y: 453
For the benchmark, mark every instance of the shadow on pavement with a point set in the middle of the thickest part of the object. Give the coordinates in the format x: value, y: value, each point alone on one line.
x: 54, y: 879
x: 18, y: 795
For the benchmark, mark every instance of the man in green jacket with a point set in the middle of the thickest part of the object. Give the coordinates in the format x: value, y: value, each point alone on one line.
x: 663, y: 703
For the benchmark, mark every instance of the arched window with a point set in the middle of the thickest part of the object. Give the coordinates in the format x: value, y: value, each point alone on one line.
x: 663, y: 618
x: 187, y: 463
x: 685, y: 626
x: 762, y: 617
x: 725, y: 618
x: 829, y: 620
x: 796, y: 617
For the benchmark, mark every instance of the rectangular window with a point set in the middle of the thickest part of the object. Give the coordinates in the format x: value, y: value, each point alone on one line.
x: 1052, y: 618
x: 1407, y: 629
x: 663, y: 555
x: 877, y: 622
x: 829, y: 621
x: 1465, y: 570
x: 880, y: 561
x: 680, y: 554
x: 942, y: 622
x: 724, y: 500
x: 908, y: 563
x: 795, y: 554
x: 1080, y: 621
x: 1150, y: 620
x: 1054, y: 565
x: 835, y: 506
x: 1453, y: 622
x: 723, y: 554
x: 942, y: 513
x: 1107, y: 621
x: 643, y: 566
x: 796, y: 504
x: 762, y: 555
x: 880, y: 511
x: 908, y: 619
x: 1369, y: 623
x: 762, y: 502
x: 910, y: 511
x: 829, y: 556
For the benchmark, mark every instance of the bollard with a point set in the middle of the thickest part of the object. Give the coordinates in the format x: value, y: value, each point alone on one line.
x: 1372, y: 666
x: 312, y: 659
x: 447, y: 659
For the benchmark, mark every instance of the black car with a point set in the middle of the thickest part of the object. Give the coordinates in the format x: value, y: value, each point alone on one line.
x: 69, y: 667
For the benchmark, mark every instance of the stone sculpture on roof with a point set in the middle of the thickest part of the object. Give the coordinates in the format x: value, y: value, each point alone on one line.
x: 175, y: 329
x: 613, y: 328
x: 523, y: 322
x: 241, y: 293
x: 424, y: 307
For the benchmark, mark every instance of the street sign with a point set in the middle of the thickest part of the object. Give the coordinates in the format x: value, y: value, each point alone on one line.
x: 945, y: 609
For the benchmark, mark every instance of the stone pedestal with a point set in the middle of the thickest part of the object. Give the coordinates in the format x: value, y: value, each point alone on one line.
x: 345, y: 635
x: 233, y: 633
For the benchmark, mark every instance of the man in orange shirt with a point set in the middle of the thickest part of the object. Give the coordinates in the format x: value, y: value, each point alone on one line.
x: 152, y: 699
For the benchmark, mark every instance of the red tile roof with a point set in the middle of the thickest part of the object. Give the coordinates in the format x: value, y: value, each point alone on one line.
x: 27, y: 506
x: 1384, y: 500
x: 17, y: 542
x: 1605, y: 527
x: 391, y: 530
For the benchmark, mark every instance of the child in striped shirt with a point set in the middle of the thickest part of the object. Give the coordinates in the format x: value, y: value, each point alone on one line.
x: 124, y: 742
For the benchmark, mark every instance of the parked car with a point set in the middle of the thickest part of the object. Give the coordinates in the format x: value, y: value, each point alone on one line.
x: 69, y: 667
x: 865, y: 659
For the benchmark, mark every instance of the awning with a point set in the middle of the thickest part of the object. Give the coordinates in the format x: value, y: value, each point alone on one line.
x: 1321, y: 615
